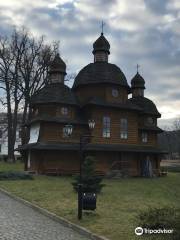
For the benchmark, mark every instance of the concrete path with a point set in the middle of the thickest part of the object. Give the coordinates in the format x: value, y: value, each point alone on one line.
x: 20, y: 222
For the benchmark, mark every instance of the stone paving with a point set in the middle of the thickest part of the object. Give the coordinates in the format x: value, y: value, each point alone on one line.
x: 20, y: 222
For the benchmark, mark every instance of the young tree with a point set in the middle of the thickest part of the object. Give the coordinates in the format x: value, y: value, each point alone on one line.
x: 91, y: 182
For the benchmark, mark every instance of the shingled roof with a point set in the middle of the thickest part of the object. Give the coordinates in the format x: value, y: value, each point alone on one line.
x: 100, y: 102
x: 101, y: 72
x: 57, y: 65
x: 146, y: 105
x: 54, y: 93
x: 151, y: 128
x: 101, y: 44
x: 93, y: 147
x: 44, y: 118
x: 138, y: 81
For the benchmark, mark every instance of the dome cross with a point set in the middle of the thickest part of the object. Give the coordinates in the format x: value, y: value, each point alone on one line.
x: 102, y: 27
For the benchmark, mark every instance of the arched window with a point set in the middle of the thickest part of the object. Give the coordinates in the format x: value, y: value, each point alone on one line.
x: 106, y: 127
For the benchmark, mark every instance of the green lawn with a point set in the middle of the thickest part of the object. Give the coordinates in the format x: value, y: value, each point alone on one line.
x: 117, y: 206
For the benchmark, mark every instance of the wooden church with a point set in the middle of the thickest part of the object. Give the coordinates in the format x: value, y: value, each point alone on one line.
x: 124, y: 137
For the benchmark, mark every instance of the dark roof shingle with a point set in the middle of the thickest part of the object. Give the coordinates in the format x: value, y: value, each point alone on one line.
x: 54, y: 93
x: 100, y: 72
x: 146, y: 105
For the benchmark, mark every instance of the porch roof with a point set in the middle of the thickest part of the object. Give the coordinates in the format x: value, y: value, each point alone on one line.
x: 92, y: 147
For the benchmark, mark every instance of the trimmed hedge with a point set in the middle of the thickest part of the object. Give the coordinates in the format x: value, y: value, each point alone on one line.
x: 170, y: 168
x: 12, y: 175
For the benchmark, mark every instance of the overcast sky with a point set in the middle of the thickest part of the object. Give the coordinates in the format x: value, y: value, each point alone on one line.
x: 146, y: 32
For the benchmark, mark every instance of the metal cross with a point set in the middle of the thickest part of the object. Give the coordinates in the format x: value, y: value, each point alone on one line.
x: 138, y: 66
x: 102, y: 27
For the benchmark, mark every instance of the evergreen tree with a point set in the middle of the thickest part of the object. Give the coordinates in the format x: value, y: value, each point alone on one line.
x: 91, y: 182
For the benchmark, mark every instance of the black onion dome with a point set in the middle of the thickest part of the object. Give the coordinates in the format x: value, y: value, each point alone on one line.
x: 58, y: 65
x: 101, y: 44
x: 146, y: 105
x: 138, y: 81
x: 54, y: 93
x: 100, y: 72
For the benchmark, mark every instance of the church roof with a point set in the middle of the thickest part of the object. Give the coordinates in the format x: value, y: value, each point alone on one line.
x: 54, y: 93
x: 146, y: 105
x: 57, y: 65
x: 101, y: 44
x: 100, y: 102
x: 151, y: 128
x: 42, y: 118
x: 100, y: 72
x: 92, y: 147
x: 138, y: 81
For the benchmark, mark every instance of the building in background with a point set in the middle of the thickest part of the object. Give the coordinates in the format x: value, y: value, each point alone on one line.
x: 4, y: 136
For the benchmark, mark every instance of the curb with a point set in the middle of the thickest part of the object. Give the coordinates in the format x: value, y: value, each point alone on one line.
x: 56, y: 218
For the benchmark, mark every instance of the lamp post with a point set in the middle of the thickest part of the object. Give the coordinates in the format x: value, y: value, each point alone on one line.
x: 84, y: 139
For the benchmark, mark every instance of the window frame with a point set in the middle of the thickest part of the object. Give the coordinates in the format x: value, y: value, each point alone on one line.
x: 106, y: 127
x: 64, y: 111
x: 124, y: 128
x: 144, y: 137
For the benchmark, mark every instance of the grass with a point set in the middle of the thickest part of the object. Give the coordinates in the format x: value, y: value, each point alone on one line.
x: 117, y: 206
x: 5, y: 166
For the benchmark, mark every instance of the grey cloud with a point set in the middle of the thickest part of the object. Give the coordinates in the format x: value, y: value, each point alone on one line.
x: 157, y: 6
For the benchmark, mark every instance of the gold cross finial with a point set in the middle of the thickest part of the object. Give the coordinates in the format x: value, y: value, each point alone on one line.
x: 102, y: 27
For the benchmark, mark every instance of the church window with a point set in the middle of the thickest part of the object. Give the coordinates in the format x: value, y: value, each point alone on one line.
x: 144, y: 137
x: 106, y: 127
x: 64, y: 111
x: 115, y: 92
x: 124, y: 128
x: 34, y: 133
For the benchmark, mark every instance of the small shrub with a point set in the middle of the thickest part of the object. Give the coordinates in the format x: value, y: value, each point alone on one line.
x: 161, y: 218
x: 11, y: 175
x: 91, y: 182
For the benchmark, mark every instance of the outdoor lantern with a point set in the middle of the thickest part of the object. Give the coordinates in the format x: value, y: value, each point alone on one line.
x: 68, y: 129
x: 91, y: 124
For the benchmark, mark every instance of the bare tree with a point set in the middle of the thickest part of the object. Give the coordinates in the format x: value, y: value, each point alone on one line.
x: 24, y: 64
x: 33, y: 69
x: 176, y: 126
x: 9, y: 77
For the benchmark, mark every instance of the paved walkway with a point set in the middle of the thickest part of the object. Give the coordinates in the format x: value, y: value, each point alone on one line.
x: 20, y: 222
